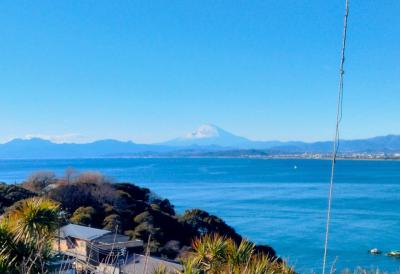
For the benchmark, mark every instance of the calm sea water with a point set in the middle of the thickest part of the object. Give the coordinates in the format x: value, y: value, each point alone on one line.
x: 271, y: 201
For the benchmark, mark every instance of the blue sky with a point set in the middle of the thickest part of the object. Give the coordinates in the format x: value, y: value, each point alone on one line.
x: 152, y: 70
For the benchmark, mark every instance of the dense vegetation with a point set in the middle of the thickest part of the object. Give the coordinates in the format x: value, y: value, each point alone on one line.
x: 95, y: 200
x: 26, y: 234
x: 9, y: 194
x: 215, y: 254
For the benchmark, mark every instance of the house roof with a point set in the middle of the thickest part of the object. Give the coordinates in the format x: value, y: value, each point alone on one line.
x: 82, y: 232
x: 138, y: 263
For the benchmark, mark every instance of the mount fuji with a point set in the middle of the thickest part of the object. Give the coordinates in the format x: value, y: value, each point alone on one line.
x: 206, y: 140
x: 209, y: 135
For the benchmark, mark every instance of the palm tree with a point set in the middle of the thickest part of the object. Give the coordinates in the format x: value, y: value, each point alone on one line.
x: 7, y: 246
x: 261, y: 264
x: 33, y: 219
x: 189, y: 266
x: 26, y: 234
x: 239, y: 256
x: 214, y: 254
x: 210, y: 252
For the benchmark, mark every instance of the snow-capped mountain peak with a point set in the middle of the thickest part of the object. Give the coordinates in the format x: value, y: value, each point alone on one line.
x: 208, y: 135
x: 204, y: 131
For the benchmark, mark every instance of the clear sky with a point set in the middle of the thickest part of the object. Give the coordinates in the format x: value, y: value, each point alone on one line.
x: 148, y: 71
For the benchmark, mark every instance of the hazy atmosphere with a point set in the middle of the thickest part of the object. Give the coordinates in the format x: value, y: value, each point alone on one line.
x: 150, y: 71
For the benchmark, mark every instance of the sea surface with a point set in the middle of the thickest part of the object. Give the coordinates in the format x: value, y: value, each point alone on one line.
x: 281, y: 203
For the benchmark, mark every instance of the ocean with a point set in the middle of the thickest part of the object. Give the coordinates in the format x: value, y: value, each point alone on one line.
x: 281, y: 203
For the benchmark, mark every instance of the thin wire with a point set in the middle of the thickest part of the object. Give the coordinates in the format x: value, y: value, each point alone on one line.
x: 339, y: 114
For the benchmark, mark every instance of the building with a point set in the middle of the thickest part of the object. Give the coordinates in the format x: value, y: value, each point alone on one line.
x: 140, y: 264
x: 92, y: 246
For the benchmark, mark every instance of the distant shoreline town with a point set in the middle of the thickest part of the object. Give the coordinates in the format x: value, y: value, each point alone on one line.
x: 352, y: 156
x: 355, y: 156
x: 207, y: 141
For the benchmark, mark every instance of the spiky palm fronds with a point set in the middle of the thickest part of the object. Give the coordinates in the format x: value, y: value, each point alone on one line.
x: 26, y: 232
x: 238, y: 256
x: 33, y: 219
x: 261, y: 264
x: 210, y: 252
x: 190, y: 266
x: 7, y: 249
x: 214, y: 254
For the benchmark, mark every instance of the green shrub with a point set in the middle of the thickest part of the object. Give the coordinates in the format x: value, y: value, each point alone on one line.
x: 83, y: 216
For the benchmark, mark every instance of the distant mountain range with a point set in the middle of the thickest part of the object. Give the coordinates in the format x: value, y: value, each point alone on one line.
x: 206, y: 141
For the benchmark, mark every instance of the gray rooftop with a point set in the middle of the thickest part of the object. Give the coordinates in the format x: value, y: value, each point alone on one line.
x: 137, y: 263
x: 82, y: 232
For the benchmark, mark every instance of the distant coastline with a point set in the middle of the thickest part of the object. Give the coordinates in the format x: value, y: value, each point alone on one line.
x: 207, y: 142
x: 273, y: 157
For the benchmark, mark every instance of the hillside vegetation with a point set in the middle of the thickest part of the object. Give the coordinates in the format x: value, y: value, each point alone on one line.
x: 94, y: 200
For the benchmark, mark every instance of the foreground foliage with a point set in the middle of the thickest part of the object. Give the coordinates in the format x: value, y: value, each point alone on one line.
x: 215, y: 254
x: 26, y: 234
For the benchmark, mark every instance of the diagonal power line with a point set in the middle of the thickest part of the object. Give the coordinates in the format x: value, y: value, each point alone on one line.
x: 336, y: 137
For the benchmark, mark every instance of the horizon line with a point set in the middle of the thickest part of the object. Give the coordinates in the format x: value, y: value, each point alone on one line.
x: 162, y: 143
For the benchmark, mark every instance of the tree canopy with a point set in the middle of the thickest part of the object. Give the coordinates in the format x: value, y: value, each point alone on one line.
x: 94, y: 200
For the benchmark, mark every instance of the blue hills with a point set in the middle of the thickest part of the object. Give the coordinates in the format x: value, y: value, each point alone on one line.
x: 207, y: 140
